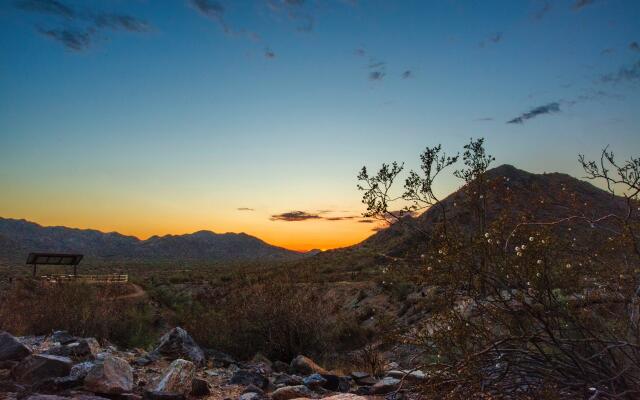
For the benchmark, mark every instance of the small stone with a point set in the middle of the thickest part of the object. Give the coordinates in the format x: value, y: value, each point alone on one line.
x: 250, y: 396
x: 151, y: 395
x: 200, y: 387
x: 385, y: 385
x: 246, y: 377
x: 253, y: 389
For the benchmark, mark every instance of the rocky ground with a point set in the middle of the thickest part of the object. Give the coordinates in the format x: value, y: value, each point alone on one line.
x: 61, y: 366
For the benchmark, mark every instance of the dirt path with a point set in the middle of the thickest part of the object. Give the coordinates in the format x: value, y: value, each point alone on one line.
x: 137, y: 293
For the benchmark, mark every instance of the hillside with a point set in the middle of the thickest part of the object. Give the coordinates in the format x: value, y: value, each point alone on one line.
x: 19, y: 237
x: 538, y: 197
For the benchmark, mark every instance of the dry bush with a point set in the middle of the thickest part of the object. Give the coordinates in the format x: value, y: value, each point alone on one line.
x: 31, y: 307
x: 280, y: 319
x: 538, y: 308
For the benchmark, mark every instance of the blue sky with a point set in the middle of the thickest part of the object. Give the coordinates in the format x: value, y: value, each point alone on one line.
x: 165, y: 117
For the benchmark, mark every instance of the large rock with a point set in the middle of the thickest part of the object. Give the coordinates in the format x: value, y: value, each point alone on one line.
x: 80, y: 350
x: 109, y: 375
x: 246, y: 378
x: 293, y: 392
x: 178, y: 344
x: 306, y: 366
x: 151, y: 395
x: 385, y: 385
x: 11, y: 349
x: 314, y: 381
x: 38, y: 368
x: 177, y: 378
x: 288, y: 380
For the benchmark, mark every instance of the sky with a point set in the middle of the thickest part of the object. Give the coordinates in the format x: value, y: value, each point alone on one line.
x: 169, y: 117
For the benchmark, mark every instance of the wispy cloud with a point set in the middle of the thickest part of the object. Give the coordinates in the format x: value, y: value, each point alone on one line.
x: 294, y: 11
x: 120, y: 22
x: 580, y: 4
x: 407, y: 74
x: 535, y: 112
x: 211, y: 9
x: 376, y: 75
x: 634, y: 46
x: 245, y: 209
x: 624, y: 74
x: 543, y: 11
x: 607, y: 51
x: 484, y: 119
x: 294, y: 216
x: 80, y: 25
x: 51, y: 7
x: 269, y: 54
x: 494, y: 38
x: 74, y: 40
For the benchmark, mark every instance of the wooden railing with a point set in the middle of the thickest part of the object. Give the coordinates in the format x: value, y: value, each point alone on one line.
x: 103, y: 278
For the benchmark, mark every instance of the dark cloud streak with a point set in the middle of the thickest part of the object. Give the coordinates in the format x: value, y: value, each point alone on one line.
x: 535, y: 112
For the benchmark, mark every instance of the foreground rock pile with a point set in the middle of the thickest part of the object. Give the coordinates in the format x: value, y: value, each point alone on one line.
x: 60, y: 366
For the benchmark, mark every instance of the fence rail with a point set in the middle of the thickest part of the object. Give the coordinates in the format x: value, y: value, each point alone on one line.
x: 104, y: 278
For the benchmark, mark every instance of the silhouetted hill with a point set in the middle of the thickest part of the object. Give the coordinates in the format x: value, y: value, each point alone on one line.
x: 19, y: 237
x: 518, y: 194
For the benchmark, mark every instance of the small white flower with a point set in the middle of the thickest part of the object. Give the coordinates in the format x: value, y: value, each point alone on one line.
x: 517, y: 248
x: 531, y: 238
x: 489, y: 241
x: 568, y: 266
x: 523, y: 247
x: 539, y: 262
x: 486, y: 235
x: 538, y: 274
x: 519, y: 254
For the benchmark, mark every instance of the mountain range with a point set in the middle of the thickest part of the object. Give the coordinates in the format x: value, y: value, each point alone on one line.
x: 19, y: 237
x: 539, y: 197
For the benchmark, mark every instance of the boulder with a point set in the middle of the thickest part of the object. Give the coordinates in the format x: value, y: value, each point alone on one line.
x: 200, y: 387
x: 385, y: 385
x: 177, y: 344
x: 109, y: 375
x: 250, y: 396
x: 177, y: 378
x: 408, y: 375
x: 246, y: 377
x: 314, y: 381
x: 81, y: 349
x: 306, y: 366
x: 288, y: 380
x: 293, y: 392
x: 38, y: 368
x: 11, y: 349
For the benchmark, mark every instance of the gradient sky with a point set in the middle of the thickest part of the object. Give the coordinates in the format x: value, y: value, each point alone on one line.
x: 166, y: 117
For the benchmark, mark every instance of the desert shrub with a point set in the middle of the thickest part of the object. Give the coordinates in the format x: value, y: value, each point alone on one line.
x: 535, y: 304
x: 38, y: 308
x: 280, y: 319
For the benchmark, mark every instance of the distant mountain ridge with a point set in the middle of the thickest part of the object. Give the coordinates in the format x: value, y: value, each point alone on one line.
x: 19, y: 237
